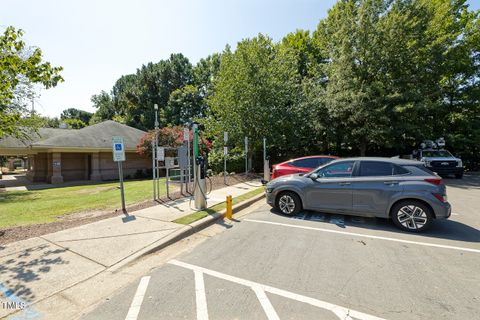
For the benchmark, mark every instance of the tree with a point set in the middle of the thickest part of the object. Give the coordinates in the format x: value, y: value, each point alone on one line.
x: 20, y: 68
x: 105, y: 108
x: 133, y: 96
x: 75, y: 123
x: 184, y: 105
x: 255, y: 95
x: 76, y: 114
x: 205, y: 73
x: 387, y: 61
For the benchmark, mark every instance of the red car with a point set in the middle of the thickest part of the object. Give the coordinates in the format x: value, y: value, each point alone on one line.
x: 300, y: 165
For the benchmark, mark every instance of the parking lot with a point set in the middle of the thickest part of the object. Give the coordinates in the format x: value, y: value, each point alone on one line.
x: 318, y: 266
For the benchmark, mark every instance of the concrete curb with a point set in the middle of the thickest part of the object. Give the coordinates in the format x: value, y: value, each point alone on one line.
x: 182, y: 233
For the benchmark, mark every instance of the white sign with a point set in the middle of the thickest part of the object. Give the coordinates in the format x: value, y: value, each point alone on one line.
x: 118, y: 149
x: 160, y: 153
x: 186, y: 134
x: 169, y: 162
x: 225, y: 150
x: 225, y: 136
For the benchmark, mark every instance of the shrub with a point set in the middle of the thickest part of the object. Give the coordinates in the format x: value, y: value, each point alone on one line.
x: 235, y: 160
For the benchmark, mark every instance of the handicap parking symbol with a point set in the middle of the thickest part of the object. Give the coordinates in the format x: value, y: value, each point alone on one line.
x: 118, y: 147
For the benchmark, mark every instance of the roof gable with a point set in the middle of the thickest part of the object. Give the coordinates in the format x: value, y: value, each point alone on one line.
x: 97, y: 136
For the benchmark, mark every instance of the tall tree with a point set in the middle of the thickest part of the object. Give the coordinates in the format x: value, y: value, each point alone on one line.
x: 255, y: 95
x: 105, y: 108
x: 20, y: 68
x: 77, y: 114
x: 184, y: 106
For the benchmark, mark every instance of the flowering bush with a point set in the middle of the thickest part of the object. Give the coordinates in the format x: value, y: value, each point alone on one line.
x: 168, y: 137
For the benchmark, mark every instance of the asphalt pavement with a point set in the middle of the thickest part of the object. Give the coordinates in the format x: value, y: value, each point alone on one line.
x: 318, y: 266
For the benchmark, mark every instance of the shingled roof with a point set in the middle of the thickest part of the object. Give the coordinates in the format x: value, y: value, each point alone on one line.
x: 97, y: 136
x: 41, y: 134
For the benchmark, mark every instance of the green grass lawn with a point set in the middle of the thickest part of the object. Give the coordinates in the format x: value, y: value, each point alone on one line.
x: 42, y: 206
x: 218, y: 207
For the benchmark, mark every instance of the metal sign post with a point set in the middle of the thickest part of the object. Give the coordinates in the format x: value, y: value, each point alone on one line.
x: 154, y: 154
x: 246, y: 155
x: 225, y: 152
x: 153, y: 169
x: 118, y: 149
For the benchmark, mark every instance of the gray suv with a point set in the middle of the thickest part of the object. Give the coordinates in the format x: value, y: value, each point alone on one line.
x: 403, y: 190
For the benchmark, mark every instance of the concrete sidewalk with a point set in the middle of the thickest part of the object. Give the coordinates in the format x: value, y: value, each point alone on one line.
x: 35, y: 269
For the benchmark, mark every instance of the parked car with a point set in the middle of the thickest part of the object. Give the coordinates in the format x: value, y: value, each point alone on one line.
x: 403, y: 190
x: 300, y: 165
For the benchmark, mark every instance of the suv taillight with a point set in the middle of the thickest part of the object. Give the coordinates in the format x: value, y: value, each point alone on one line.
x: 435, y: 181
x: 441, y: 197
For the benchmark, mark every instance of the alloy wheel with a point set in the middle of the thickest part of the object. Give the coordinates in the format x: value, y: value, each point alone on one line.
x: 286, y: 204
x: 412, y: 217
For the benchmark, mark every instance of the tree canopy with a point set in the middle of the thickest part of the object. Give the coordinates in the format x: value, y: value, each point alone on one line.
x: 21, y: 67
x: 376, y: 77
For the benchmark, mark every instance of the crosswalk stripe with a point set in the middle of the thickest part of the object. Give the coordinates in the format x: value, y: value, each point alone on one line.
x: 340, y: 311
x: 138, y: 299
x: 266, y: 304
x: 200, y: 296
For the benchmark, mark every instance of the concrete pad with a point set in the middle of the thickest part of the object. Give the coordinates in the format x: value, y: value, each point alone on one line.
x: 41, y: 271
x: 24, y: 245
x: 111, y: 240
x: 176, y: 209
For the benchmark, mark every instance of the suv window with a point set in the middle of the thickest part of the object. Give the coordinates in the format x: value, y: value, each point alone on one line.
x: 380, y: 169
x: 375, y: 169
x: 419, y: 170
x: 398, y: 170
x: 337, y: 170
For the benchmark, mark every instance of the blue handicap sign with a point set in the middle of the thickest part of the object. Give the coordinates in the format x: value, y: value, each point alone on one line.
x: 118, y: 147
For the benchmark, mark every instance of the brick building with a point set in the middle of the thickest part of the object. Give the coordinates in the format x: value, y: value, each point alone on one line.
x: 61, y: 155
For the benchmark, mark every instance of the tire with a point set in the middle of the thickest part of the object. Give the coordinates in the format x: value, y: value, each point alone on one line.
x: 288, y: 203
x: 459, y: 175
x: 401, y: 215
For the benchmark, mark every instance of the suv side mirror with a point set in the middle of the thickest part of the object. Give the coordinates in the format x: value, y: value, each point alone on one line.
x: 313, y: 176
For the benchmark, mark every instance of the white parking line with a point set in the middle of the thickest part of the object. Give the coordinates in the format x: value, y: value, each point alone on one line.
x: 266, y: 304
x: 138, y: 299
x: 339, y: 311
x: 427, y: 244
x: 200, y: 297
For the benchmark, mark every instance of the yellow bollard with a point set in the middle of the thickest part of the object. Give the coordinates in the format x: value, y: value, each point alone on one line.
x: 228, y: 215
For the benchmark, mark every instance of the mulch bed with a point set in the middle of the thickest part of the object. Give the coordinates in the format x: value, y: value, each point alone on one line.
x: 80, y: 218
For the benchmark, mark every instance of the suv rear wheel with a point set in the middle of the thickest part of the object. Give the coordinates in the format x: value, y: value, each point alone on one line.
x: 412, y: 215
x: 289, y: 203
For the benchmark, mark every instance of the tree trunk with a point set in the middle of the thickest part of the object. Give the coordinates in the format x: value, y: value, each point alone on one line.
x: 363, y: 148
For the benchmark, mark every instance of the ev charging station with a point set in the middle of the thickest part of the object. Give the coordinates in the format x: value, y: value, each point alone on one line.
x: 200, y: 171
x: 266, y: 162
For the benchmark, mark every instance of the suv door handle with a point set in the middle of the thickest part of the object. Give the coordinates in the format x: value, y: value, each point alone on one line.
x: 390, y: 182
x: 344, y: 183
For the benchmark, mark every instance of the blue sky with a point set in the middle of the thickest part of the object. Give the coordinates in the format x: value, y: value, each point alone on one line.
x: 98, y: 41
